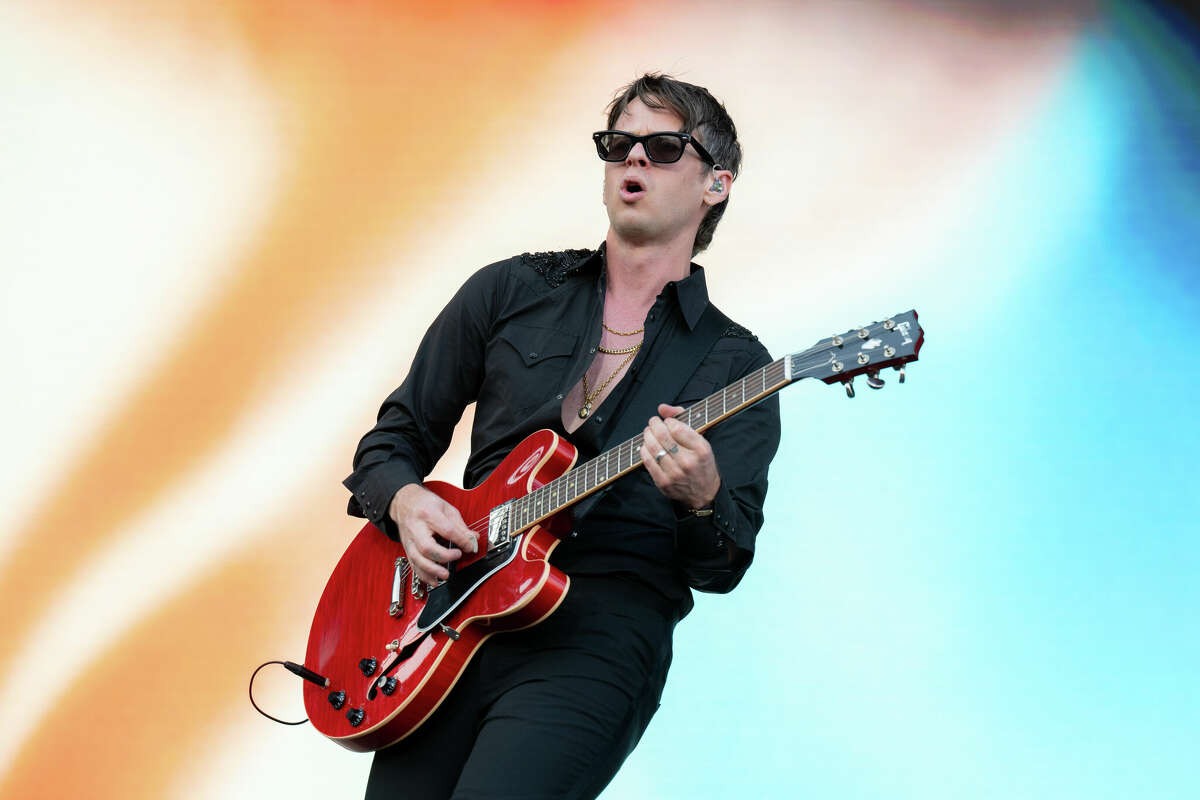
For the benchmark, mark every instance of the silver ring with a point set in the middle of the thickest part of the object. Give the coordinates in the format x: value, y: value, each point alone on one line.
x: 659, y: 456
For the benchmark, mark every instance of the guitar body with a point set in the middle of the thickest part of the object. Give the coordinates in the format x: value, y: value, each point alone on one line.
x: 357, y: 618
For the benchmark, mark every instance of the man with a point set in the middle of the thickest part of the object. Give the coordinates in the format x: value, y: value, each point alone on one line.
x: 564, y: 341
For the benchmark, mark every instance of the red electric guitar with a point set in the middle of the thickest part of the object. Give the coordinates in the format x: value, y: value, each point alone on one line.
x: 390, y: 649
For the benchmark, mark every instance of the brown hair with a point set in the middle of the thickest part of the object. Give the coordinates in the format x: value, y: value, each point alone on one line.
x: 703, y: 116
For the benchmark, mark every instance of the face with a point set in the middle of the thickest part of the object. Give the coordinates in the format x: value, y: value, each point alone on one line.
x: 649, y: 202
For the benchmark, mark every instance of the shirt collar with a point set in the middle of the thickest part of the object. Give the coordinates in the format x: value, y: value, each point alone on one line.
x: 691, y: 293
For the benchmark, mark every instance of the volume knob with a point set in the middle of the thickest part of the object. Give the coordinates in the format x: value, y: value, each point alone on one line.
x: 337, y: 699
x: 368, y: 665
x: 355, y: 715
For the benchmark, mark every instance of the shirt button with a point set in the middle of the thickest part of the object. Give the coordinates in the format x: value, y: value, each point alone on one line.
x: 558, y: 397
x: 592, y: 350
x: 533, y: 355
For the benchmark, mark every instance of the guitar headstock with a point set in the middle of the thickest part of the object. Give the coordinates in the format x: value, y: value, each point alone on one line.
x: 861, y: 351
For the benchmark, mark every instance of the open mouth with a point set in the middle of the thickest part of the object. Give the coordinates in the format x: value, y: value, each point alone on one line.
x: 632, y: 188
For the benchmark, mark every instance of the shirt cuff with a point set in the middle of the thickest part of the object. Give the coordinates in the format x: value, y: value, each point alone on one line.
x: 372, y: 489
x: 721, y: 526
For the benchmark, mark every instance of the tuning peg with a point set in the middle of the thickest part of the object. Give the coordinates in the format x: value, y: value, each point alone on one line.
x: 900, y: 369
x: 874, y: 381
x: 850, y: 387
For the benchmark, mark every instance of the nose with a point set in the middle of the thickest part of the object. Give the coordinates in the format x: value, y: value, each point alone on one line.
x: 637, y: 156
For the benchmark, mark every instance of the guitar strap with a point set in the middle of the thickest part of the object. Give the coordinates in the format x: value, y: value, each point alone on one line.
x: 662, y: 385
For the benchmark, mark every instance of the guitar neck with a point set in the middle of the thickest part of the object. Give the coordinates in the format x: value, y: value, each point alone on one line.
x: 610, y: 465
x: 836, y: 359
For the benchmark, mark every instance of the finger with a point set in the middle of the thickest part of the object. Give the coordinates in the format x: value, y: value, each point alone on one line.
x: 423, y: 540
x: 657, y: 452
x: 426, y: 569
x: 453, y: 529
x: 661, y: 434
x: 653, y: 446
x: 435, y: 520
x: 685, y: 435
x: 666, y: 411
x: 434, y: 551
x: 656, y: 472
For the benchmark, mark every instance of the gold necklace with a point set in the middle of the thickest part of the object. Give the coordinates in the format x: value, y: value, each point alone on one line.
x: 590, y: 397
x: 620, y: 352
x: 622, y: 333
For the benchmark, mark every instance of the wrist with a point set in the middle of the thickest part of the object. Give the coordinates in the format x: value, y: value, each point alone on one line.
x: 401, y: 499
x: 706, y: 499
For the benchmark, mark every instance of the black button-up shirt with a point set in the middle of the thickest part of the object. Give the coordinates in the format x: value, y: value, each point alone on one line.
x: 514, y: 340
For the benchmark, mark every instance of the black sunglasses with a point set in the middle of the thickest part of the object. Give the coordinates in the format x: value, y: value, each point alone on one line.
x: 665, y: 147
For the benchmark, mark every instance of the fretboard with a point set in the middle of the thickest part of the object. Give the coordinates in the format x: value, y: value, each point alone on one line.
x: 605, y: 468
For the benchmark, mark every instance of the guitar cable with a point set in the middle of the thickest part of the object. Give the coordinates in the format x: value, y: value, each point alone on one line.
x: 296, y: 669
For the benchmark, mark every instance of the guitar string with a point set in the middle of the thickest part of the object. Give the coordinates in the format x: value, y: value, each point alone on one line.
x: 481, y: 525
x: 776, y: 366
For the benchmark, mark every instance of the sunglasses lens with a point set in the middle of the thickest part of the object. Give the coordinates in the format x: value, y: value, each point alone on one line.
x: 614, y: 146
x: 664, y: 148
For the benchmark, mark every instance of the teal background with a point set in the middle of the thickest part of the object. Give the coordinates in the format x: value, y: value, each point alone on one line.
x: 983, y: 583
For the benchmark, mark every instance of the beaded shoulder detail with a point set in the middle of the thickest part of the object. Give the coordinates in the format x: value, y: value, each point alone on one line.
x: 556, y: 267
x: 739, y: 332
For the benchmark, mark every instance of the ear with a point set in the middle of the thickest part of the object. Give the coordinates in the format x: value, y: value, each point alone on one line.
x: 717, y: 189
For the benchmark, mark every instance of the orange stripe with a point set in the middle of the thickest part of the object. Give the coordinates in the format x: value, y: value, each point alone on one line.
x: 140, y: 711
x: 377, y: 115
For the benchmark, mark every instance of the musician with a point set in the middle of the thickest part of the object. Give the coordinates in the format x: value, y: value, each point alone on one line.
x: 563, y: 341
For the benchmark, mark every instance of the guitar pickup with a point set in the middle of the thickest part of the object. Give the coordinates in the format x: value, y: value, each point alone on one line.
x: 498, y: 526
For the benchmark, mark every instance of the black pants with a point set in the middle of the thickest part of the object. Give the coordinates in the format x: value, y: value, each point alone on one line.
x: 548, y: 712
